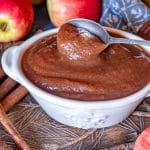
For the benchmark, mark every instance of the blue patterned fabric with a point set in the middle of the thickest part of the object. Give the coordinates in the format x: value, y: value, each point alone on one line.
x: 128, y: 15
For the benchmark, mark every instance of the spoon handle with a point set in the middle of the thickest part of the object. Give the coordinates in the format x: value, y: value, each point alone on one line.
x: 128, y: 41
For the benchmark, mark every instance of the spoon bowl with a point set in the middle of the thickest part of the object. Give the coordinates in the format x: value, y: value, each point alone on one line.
x: 100, y: 32
x: 92, y: 27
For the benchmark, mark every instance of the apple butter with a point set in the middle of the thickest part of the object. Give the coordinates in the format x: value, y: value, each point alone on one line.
x: 70, y: 64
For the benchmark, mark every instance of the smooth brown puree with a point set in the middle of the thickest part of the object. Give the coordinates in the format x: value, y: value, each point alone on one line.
x: 70, y: 65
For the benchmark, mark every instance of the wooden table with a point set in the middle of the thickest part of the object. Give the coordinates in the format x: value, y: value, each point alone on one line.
x: 42, y: 132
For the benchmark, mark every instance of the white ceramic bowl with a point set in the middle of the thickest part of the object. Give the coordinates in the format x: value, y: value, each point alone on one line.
x: 74, y: 113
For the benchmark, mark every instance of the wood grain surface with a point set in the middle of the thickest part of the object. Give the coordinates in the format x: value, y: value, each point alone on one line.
x: 43, y: 133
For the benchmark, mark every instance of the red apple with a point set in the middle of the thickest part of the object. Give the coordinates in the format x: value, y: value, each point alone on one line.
x: 61, y: 11
x: 37, y: 2
x: 16, y: 19
x: 143, y: 141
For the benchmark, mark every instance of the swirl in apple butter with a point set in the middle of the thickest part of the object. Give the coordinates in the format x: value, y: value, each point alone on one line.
x: 71, y: 65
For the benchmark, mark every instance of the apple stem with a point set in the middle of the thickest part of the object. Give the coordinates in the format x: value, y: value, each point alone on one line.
x: 4, y: 27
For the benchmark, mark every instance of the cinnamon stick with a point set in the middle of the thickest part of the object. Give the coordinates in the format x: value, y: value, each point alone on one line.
x: 13, y: 98
x: 6, y: 86
x: 5, y: 121
x: 6, y: 104
x: 2, y: 74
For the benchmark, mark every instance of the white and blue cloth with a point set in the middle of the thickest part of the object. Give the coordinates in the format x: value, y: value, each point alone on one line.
x: 128, y: 15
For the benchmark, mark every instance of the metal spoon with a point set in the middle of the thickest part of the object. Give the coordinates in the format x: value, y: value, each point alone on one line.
x: 100, y: 32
